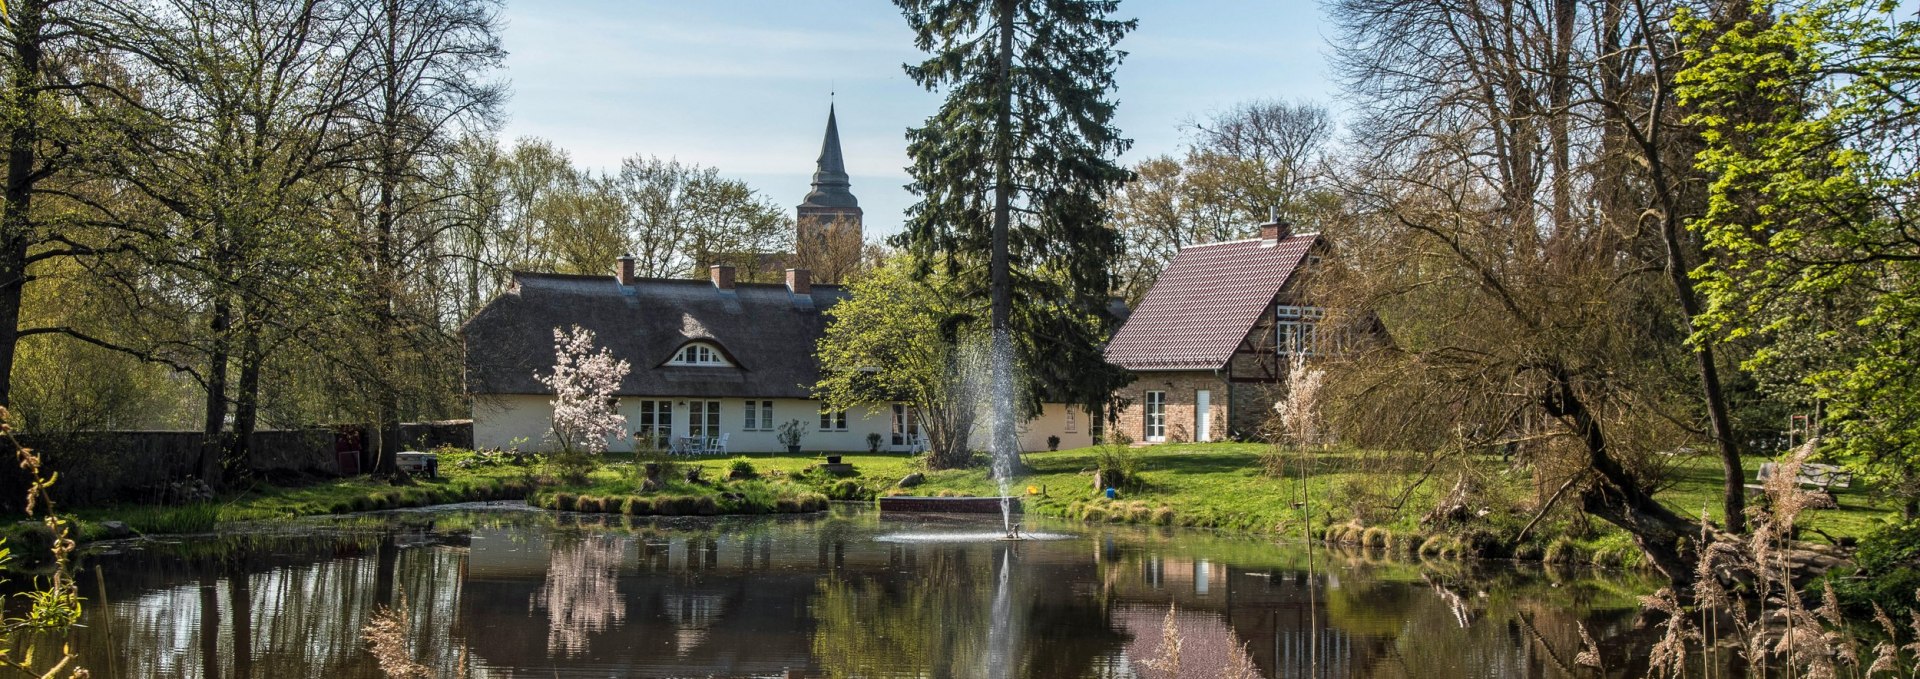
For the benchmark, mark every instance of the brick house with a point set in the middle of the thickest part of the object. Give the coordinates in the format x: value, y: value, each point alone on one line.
x: 1210, y: 343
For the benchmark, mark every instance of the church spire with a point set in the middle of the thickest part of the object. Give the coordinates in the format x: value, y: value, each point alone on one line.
x: 830, y: 182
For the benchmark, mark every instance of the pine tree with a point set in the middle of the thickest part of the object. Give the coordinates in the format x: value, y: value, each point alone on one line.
x: 1016, y: 167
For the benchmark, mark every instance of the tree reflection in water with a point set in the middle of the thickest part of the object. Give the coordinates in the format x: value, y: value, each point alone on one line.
x: 581, y: 594
x: 527, y: 594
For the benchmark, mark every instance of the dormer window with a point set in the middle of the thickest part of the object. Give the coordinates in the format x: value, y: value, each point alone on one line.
x: 701, y: 355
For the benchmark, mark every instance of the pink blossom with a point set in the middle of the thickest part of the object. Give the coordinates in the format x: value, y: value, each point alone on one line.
x: 583, y: 383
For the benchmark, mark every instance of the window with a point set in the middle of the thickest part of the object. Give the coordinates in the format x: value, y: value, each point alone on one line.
x: 698, y: 354
x: 1073, y: 422
x: 1097, y: 427
x: 759, y: 416
x: 1156, y: 416
x: 832, y: 420
x: 656, y: 424
x: 1297, y: 331
x: 906, y: 424
x: 703, y: 419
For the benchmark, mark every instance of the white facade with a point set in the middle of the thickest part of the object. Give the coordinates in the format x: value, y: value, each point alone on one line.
x: 507, y: 421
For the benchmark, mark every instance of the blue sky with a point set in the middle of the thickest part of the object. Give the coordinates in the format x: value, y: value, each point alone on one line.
x: 742, y: 85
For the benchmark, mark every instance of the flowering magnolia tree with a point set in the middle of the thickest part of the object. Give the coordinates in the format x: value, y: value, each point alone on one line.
x: 583, y: 382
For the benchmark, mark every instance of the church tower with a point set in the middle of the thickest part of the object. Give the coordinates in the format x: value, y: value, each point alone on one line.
x: 828, y: 221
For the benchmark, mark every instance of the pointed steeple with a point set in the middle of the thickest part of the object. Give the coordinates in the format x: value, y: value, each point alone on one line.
x: 830, y: 182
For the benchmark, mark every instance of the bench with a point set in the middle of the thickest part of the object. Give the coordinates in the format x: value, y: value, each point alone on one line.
x: 1825, y: 477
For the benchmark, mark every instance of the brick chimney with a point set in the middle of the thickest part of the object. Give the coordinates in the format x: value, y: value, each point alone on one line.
x: 800, y: 281
x: 1275, y: 229
x: 722, y: 276
x: 626, y: 269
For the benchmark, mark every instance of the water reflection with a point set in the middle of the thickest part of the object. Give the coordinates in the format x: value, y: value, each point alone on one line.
x: 498, y: 593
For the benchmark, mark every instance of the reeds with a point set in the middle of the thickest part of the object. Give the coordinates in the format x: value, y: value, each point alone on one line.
x: 1752, y: 584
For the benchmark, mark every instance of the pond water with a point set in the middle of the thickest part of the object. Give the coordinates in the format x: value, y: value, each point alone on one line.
x: 503, y: 591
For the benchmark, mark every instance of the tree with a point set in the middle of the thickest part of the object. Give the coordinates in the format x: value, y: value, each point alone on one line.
x: 1807, y: 113
x: 424, y: 65
x: 242, y: 118
x: 584, y: 381
x: 1014, y: 169
x: 902, y: 338
x: 1516, y: 223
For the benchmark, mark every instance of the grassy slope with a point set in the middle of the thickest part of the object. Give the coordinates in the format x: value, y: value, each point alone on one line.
x: 1218, y: 485
x: 1222, y: 485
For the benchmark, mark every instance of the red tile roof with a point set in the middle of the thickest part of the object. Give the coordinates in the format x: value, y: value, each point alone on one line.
x: 1204, y: 303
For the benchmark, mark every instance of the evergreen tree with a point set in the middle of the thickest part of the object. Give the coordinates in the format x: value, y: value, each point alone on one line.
x: 1013, y: 173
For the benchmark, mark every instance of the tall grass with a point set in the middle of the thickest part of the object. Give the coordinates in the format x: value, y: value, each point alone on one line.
x: 1750, y: 583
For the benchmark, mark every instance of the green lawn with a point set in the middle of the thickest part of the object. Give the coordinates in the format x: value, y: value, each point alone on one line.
x: 1215, y: 485
x: 1225, y: 486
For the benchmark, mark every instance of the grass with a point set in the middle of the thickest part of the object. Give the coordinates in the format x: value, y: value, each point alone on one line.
x: 1214, y: 485
x: 1225, y: 486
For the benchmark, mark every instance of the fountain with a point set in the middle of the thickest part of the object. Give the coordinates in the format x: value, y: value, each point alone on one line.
x: 988, y: 374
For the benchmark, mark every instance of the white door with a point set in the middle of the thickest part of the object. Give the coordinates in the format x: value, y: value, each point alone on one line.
x: 1203, y: 416
x: 1156, y: 416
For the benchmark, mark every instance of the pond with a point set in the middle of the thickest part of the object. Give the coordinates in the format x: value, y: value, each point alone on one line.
x: 504, y: 591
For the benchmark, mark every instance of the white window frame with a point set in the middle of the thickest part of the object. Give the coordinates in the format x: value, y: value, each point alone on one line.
x: 759, y: 416
x: 700, y: 355
x: 1153, y: 416
x: 906, y: 425
x: 832, y: 420
x: 1073, y: 423
x: 703, y: 419
x: 1297, y: 332
x: 657, y: 415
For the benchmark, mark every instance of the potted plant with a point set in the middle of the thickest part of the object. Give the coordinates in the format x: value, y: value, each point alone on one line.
x: 790, y: 435
x: 873, y: 442
x: 1053, y: 443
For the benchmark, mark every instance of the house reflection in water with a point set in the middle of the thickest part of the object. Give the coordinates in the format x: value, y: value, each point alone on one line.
x: 537, y: 595
x: 841, y: 604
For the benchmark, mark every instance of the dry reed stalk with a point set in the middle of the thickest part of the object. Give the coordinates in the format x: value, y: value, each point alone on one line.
x: 1589, y: 655
x: 386, y: 634
x: 1169, y: 659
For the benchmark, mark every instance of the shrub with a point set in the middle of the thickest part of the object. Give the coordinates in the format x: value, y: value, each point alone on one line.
x: 1886, y: 570
x: 741, y: 469
x: 705, y: 505
x: 1116, y: 465
x: 873, y: 442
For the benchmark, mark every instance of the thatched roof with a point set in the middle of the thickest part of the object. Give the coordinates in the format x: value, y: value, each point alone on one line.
x: 768, y: 331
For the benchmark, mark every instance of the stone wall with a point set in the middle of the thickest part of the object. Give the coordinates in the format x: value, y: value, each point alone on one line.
x: 135, y: 466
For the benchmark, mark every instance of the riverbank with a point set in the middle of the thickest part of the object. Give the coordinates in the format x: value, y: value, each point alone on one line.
x: 1340, y: 496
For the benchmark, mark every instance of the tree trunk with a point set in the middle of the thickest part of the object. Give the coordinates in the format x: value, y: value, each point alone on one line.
x: 246, y: 410
x: 1000, y: 406
x: 213, y: 441
x: 1616, y: 495
x: 16, y: 218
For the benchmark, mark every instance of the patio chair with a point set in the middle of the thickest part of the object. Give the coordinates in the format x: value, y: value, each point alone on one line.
x: 696, y: 445
x: 919, y: 444
x: 719, y: 445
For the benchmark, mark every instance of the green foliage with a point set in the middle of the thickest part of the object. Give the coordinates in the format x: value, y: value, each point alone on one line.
x: 792, y: 432
x: 1886, y: 570
x: 898, y: 337
x: 1016, y: 167
x: 1807, y: 111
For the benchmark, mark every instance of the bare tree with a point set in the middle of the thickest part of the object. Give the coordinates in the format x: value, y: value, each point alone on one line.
x: 1512, y: 214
